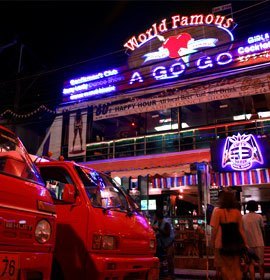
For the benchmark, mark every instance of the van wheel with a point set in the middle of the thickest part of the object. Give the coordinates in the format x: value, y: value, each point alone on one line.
x: 57, y: 273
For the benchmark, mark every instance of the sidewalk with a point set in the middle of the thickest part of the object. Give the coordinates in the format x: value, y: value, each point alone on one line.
x: 193, y: 273
x: 202, y: 274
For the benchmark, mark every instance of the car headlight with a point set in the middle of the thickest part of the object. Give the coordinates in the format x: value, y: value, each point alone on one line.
x: 104, y: 242
x: 43, y: 231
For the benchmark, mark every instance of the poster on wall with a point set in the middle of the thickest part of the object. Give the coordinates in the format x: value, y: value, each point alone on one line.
x: 240, y: 152
x: 77, y: 134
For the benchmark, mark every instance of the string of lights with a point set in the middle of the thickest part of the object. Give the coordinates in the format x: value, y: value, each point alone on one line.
x: 27, y: 115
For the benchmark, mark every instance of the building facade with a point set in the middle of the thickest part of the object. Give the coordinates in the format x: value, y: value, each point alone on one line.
x: 188, y: 115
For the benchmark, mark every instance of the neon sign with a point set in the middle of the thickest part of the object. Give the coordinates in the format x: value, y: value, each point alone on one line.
x: 97, y: 76
x: 169, y: 50
x: 241, y: 152
x: 94, y: 92
x: 177, y: 69
x: 164, y: 52
x: 255, y: 50
x: 182, y: 45
x: 256, y: 43
x: 258, y: 38
x: 175, y: 22
x: 92, y: 85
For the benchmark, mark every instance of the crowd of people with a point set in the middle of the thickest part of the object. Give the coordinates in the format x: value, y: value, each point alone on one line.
x: 237, y: 240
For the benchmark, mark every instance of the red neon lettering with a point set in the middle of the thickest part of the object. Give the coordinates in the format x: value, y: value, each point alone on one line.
x: 184, y: 21
x: 196, y: 19
x: 228, y: 23
x: 149, y: 33
x: 132, y: 44
x: 209, y: 19
x: 142, y: 37
x: 155, y: 28
x: 175, y: 19
x: 163, y: 27
x: 219, y: 20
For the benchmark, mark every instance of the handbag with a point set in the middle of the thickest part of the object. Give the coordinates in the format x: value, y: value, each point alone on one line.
x: 232, y: 241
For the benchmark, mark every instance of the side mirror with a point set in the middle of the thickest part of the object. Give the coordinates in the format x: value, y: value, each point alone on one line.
x: 68, y: 194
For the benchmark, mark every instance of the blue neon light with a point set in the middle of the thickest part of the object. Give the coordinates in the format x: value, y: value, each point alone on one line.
x: 93, y: 77
x: 257, y: 43
x: 94, y: 92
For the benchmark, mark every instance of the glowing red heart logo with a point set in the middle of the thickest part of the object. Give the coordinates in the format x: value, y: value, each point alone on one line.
x: 174, y: 43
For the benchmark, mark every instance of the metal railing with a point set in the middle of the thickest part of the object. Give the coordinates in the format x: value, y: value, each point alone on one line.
x: 188, y: 139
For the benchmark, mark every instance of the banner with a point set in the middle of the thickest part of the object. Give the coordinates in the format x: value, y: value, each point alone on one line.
x: 216, y: 90
x: 77, y: 134
x: 250, y: 177
x: 174, y: 182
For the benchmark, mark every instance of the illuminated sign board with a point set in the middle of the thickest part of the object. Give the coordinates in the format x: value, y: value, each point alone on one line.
x: 171, y: 50
x: 167, y: 51
x: 240, y: 152
x: 255, y: 50
x: 257, y: 43
x: 179, y: 47
x: 97, y: 84
x: 176, y: 22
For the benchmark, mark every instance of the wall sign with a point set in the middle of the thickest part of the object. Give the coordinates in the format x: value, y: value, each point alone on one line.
x: 166, y: 53
x: 175, y: 22
x: 96, y: 84
x: 240, y: 152
x: 169, y: 51
x: 214, y: 90
x: 255, y: 50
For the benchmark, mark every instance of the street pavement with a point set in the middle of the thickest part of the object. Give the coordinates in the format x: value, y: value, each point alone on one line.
x: 188, y: 274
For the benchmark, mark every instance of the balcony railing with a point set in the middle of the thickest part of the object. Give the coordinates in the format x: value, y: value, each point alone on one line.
x: 188, y: 139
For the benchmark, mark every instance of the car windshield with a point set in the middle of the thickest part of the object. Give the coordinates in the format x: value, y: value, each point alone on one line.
x: 103, y: 191
x: 14, y: 159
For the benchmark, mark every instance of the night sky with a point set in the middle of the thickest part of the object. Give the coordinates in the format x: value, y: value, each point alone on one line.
x: 63, y: 38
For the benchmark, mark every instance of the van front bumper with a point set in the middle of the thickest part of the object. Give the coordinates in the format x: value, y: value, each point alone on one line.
x: 123, y: 268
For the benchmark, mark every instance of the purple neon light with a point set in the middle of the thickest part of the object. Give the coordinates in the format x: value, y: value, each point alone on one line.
x: 241, y: 151
x: 93, y: 77
x: 97, y: 91
x: 257, y: 43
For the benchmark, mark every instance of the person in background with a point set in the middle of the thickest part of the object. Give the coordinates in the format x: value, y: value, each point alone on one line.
x: 165, y: 240
x: 61, y: 158
x: 254, y: 229
x: 227, y: 213
x: 211, y: 209
x: 201, y: 235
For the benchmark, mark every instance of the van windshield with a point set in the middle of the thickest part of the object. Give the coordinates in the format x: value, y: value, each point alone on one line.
x: 14, y: 159
x: 103, y: 191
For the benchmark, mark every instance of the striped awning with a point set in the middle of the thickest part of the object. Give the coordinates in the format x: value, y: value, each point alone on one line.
x: 173, y: 182
x: 250, y: 177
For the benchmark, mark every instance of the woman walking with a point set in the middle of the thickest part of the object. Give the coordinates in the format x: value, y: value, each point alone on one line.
x: 228, y: 237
